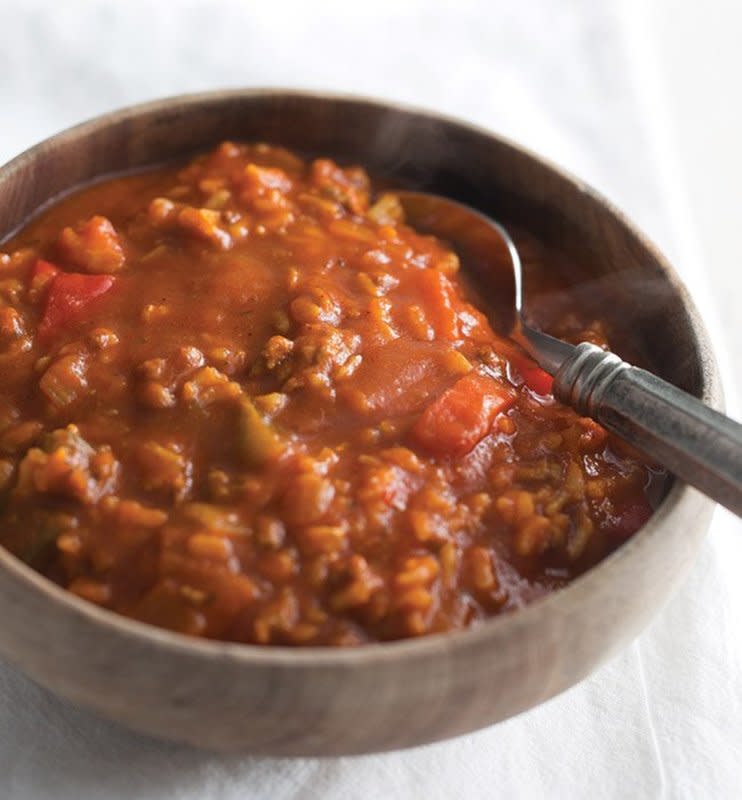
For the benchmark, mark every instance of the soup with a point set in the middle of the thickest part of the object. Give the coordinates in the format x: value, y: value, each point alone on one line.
x: 242, y: 399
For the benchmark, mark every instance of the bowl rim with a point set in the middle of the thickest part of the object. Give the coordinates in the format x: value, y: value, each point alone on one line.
x: 374, y: 653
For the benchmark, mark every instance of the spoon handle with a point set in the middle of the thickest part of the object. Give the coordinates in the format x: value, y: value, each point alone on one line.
x: 699, y: 445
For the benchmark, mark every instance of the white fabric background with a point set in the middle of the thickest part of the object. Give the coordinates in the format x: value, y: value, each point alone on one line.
x: 574, y: 80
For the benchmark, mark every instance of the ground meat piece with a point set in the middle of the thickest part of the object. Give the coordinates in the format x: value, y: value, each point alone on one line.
x: 64, y: 381
x: 277, y: 348
x: 350, y: 186
x: 164, y: 467
x: 92, y: 246
x: 11, y: 325
x: 205, y: 224
x: 68, y: 466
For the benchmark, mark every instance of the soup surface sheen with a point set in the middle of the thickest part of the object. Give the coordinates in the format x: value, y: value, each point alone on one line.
x: 241, y: 399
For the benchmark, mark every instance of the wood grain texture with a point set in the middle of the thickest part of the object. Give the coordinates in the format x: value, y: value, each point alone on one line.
x: 317, y: 701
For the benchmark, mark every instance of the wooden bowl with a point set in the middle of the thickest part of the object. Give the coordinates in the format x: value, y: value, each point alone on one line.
x: 315, y: 701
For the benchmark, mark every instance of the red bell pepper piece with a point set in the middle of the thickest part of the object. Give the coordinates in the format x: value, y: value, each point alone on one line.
x: 536, y: 379
x: 70, y: 294
x: 463, y: 415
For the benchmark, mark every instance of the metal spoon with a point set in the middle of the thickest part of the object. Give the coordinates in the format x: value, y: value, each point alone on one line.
x: 699, y: 445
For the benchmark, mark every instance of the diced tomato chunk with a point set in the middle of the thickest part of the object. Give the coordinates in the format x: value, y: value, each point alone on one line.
x: 462, y: 416
x: 401, y: 377
x: 438, y: 293
x: 70, y: 294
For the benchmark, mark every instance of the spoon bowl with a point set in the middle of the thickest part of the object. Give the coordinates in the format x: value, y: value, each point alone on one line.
x: 490, y: 257
x: 698, y: 444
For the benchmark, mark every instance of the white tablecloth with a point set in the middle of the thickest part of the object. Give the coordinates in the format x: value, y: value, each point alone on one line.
x: 569, y: 79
